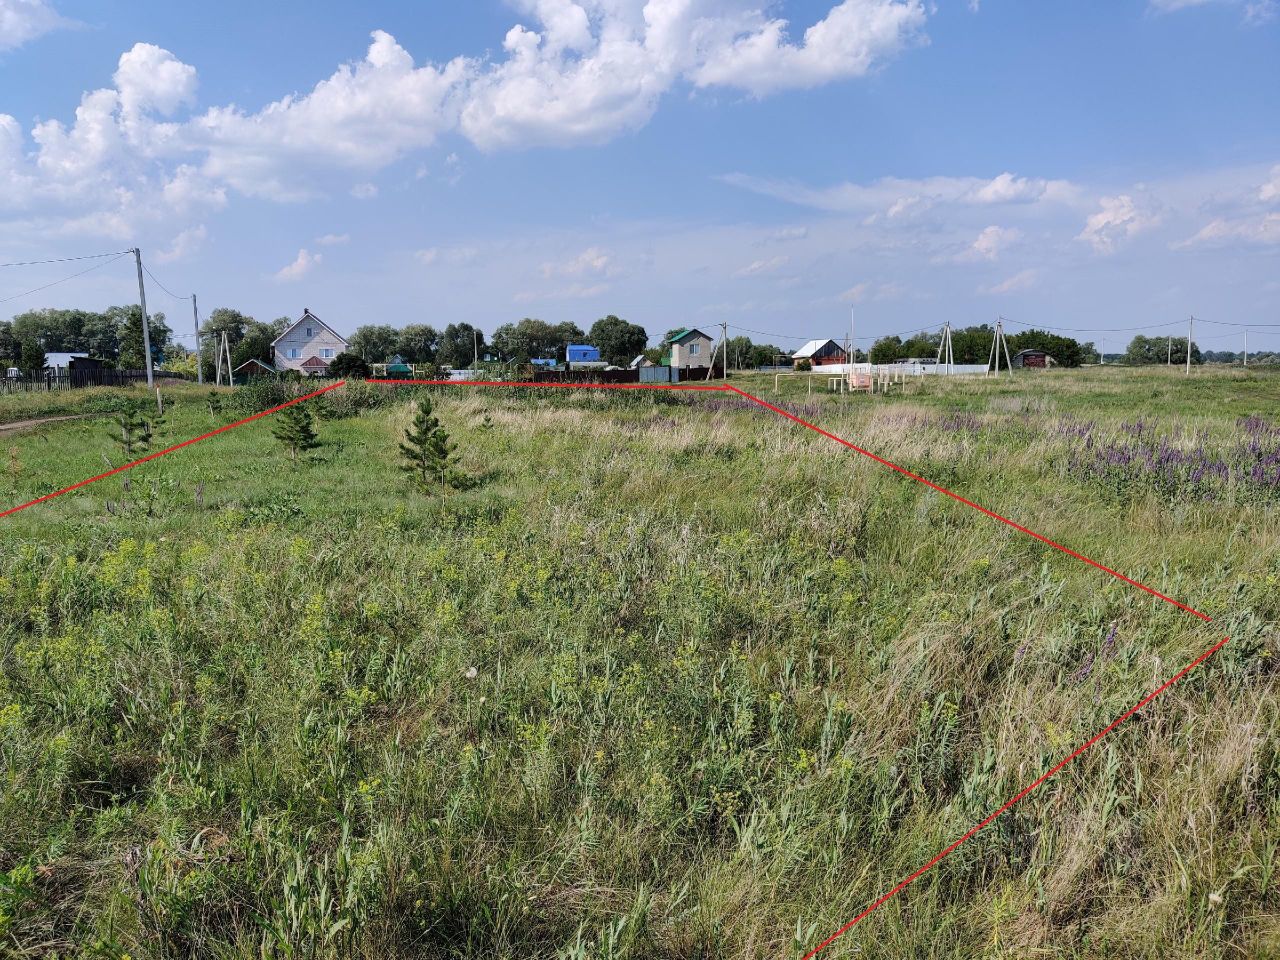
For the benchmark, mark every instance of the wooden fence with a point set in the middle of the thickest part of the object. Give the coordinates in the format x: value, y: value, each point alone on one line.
x: 74, y: 379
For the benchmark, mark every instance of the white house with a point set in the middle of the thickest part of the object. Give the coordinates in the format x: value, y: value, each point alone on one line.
x: 308, y: 345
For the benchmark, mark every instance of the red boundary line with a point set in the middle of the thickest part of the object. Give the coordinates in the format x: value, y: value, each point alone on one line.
x: 167, y: 450
x: 973, y: 831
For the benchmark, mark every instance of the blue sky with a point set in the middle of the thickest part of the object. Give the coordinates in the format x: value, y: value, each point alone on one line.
x: 1094, y: 165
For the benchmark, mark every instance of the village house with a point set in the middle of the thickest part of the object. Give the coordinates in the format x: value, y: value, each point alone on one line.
x: 308, y: 346
x: 819, y: 353
x: 689, y: 348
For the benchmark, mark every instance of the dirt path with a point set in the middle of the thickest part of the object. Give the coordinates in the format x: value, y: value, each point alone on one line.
x: 39, y: 421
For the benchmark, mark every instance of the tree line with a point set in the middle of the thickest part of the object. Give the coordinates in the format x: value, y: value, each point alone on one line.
x: 973, y: 345
x: 113, y: 335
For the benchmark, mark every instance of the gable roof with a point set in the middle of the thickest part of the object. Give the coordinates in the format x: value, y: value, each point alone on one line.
x: 812, y: 347
x: 681, y: 335
x: 315, y: 363
x: 263, y: 364
x: 308, y: 315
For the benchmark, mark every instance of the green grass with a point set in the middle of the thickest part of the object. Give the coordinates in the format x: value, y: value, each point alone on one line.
x: 731, y: 681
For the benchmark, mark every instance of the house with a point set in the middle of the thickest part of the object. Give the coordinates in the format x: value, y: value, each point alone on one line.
x: 254, y: 367
x: 821, y: 352
x: 307, y: 345
x: 641, y: 362
x: 1032, y: 359
x: 689, y: 348
x: 581, y: 353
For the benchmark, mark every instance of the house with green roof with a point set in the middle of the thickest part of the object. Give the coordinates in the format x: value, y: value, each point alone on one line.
x: 688, y: 348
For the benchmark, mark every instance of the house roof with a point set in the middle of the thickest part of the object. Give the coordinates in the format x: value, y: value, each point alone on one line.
x: 1031, y: 350
x: 681, y: 335
x: 812, y: 347
x: 315, y: 363
x: 63, y: 359
x: 254, y: 360
x: 639, y: 361
x: 308, y: 315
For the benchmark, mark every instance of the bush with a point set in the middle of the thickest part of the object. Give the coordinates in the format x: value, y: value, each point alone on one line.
x: 349, y: 366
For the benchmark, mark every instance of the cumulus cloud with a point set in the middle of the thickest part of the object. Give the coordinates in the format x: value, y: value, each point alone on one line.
x: 1270, y: 191
x: 333, y: 239
x: 849, y: 41
x: 1119, y: 219
x: 22, y: 21
x: 990, y: 243
x: 301, y: 266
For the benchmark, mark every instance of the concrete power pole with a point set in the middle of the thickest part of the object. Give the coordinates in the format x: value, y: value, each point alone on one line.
x: 1169, y: 361
x: 195, y: 316
x: 1246, y: 346
x: 1190, y: 323
x: 146, y: 330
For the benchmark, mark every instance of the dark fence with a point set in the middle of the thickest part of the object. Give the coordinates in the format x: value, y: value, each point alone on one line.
x: 73, y: 379
x: 643, y: 375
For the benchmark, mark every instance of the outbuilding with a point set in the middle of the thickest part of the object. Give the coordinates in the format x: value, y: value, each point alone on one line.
x: 819, y: 353
x: 689, y: 348
x: 1032, y: 359
x: 582, y: 353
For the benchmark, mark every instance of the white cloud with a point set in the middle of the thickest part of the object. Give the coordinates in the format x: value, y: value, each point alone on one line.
x: 591, y: 262
x: 364, y: 191
x: 455, y: 256
x: 22, y: 21
x: 991, y: 242
x: 897, y: 197
x: 300, y: 267
x: 576, y: 291
x: 186, y: 243
x: 1254, y: 11
x: 1120, y: 219
x: 151, y: 79
x: 1264, y: 230
x: 784, y: 235
x: 757, y: 267
x: 333, y: 239
x: 1270, y: 191
x: 849, y: 41
x: 856, y: 294
x: 1019, y: 281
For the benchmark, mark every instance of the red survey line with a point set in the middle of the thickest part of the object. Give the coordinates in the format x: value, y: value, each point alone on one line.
x: 906, y: 882
x: 969, y: 503
x: 168, y: 450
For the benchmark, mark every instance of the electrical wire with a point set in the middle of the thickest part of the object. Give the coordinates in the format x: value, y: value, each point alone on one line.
x: 96, y: 266
x: 91, y: 256
x: 148, y: 272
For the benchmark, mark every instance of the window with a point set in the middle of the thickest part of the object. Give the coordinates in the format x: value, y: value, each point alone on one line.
x: 309, y: 332
x: 293, y: 353
x: 326, y: 353
x: 695, y: 349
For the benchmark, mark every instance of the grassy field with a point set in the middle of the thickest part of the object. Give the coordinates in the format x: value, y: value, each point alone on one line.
x: 674, y: 677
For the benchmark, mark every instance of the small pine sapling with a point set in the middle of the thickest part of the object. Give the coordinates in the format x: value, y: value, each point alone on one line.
x: 427, y: 452
x: 293, y: 428
x: 132, y: 428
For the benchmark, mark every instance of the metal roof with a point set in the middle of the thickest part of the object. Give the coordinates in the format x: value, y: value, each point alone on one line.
x: 812, y: 347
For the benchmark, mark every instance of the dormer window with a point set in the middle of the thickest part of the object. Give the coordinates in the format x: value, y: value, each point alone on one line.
x: 309, y: 332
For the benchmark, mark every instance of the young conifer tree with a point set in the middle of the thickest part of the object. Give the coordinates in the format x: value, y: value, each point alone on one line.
x: 293, y: 428
x: 132, y: 429
x: 427, y: 452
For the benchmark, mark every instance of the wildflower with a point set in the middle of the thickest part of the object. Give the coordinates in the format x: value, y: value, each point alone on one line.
x: 1215, y: 899
x: 471, y: 673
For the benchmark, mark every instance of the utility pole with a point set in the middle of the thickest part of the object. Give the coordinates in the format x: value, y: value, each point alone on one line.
x: 195, y: 316
x: 475, y: 340
x: 944, y: 348
x: 1246, y: 346
x: 1190, y: 323
x: 1170, y: 339
x: 853, y: 377
x: 146, y: 330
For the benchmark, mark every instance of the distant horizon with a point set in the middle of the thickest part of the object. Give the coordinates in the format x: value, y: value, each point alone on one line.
x: 775, y: 164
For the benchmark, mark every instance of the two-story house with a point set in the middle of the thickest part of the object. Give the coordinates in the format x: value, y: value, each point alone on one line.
x: 308, y: 345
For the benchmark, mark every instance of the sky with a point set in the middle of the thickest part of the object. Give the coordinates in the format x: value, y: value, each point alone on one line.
x: 788, y: 168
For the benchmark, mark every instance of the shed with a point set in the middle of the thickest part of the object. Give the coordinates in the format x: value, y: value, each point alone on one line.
x: 640, y: 362
x: 70, y: 361
x: 582, y: 353
x: 821, y: 352
x: 253, y: 367
x: 1032, y: 359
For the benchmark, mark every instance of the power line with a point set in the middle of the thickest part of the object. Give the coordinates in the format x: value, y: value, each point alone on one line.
x: 96, y: 266
x: 91, y: 256
x: 1147, y: 326
x: 148, y: 272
